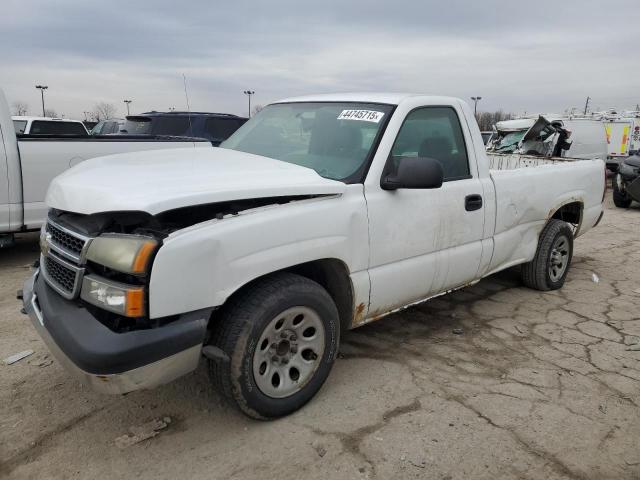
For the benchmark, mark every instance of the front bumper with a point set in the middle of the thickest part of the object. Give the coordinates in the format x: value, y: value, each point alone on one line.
x: 113, y: 362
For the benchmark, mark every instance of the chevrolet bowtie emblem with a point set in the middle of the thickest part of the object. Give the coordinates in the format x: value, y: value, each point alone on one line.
x: 44, y: 243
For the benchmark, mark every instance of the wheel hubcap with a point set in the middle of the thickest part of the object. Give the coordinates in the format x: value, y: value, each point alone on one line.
x: 559, y: 258
x: 288, y: 352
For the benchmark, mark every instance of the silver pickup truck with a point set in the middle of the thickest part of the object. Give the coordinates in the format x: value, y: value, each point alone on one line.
x: 28, y: 163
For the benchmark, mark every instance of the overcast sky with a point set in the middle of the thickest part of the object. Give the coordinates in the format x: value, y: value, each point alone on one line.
x: 519, y: 56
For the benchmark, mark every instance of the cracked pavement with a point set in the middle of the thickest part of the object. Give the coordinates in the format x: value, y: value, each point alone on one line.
x: 537, y: 386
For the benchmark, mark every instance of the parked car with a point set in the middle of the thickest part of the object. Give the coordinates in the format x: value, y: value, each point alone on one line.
x: 48, y: 126
x: 108, y: 127
x: 28, y: 163
x: 551, y: 136
x: 215, y: 127
x: 320, y: 214
x: 626, y: 182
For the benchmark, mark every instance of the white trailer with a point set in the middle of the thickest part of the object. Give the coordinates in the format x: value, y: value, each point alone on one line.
x: 618, y: 133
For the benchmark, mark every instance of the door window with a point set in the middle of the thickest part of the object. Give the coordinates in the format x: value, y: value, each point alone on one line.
x: 172, y: 125
x: 434, y: 132
x: 56, y: 127
x: 20, y: 125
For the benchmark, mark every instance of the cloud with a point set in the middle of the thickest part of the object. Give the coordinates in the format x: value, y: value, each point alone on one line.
x: 546, y: 56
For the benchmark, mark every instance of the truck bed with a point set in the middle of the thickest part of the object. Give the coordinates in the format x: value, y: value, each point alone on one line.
x: 529, y: 188
x: 512, y: 161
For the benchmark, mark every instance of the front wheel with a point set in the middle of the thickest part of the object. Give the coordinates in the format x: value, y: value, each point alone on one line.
x: 281, y: 336
x: 621, y: 199
x: 549, y: 267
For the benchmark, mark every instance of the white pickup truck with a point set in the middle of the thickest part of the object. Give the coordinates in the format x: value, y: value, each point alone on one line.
x: 29, y: 163
x: 318, y: 215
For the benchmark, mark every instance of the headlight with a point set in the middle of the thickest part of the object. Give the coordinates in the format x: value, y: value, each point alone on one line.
x: 116, y: 297
x: 124, y: 253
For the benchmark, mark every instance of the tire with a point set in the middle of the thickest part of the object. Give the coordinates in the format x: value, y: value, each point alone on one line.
x: 261, y: 380
x: 544, y: 271
x: 620, y: 199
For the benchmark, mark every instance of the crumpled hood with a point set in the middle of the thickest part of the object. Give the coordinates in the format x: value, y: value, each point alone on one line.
x: 159, y: 180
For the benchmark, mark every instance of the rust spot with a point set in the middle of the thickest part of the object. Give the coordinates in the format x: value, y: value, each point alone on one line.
x: 358, y: 318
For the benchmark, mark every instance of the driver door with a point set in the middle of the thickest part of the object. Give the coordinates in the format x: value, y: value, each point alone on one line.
x: 426, y: 241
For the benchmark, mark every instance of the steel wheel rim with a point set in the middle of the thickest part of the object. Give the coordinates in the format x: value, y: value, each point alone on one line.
x: 559, y: 258
x: 289, y: 352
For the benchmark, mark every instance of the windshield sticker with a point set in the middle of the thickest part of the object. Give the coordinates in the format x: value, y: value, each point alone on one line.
x: 362, y: 115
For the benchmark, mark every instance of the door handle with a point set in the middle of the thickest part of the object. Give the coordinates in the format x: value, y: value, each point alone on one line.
x: 472, y: 202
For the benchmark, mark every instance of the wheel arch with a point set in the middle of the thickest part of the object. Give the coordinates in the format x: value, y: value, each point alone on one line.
x: 570, y: 211
x: 330, y: 273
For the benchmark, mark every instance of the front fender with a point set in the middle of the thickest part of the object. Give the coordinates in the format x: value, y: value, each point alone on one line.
x: 201, y: 266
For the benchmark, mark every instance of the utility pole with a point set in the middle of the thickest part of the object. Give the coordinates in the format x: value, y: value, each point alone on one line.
x: 127, y: 102
x: 42, y: 88
x: 475, y: 104
x: 586, y: 105
x: 248, y: 93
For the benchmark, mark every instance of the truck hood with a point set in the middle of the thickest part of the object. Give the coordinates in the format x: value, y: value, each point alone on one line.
x: 159, y: 180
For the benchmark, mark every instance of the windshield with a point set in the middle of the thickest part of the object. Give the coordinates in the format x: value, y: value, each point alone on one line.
x: 137, y: 126
x: 20, y: 125
x: 97, y: 129
x: 334, y: 139
x: 508, y: 141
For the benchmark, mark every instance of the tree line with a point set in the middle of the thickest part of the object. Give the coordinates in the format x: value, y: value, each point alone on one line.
x: 100, y: 111
x: 486, y: 120
x: 105, y: 111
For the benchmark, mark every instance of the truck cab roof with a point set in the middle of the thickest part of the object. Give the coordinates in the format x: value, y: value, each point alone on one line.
x: 367, y: 97
x: 47, y: 119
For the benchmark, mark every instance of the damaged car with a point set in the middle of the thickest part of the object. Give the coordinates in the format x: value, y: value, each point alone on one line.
x: 550, y: 137
x: 319, y: 215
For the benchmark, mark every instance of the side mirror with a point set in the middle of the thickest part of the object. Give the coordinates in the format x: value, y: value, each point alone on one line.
x: 414, y: 172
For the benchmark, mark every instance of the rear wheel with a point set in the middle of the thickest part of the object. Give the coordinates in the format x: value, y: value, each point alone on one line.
x: 549, y: 267
x: 281, y: 336
x: 621, y: 198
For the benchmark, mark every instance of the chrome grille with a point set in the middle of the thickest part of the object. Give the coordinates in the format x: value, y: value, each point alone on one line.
x: 63, y: 258
x: 64, y: 277
x: 65, y: 240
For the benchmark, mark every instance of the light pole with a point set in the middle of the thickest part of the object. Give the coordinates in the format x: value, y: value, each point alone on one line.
x: 248, y: 93
x: 127, y: 102
x: 42, y: 88
x: 475, y: 104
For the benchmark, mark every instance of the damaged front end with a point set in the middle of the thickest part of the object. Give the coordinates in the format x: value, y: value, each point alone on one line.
x: 89, y: 298
x: 104, y: 260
